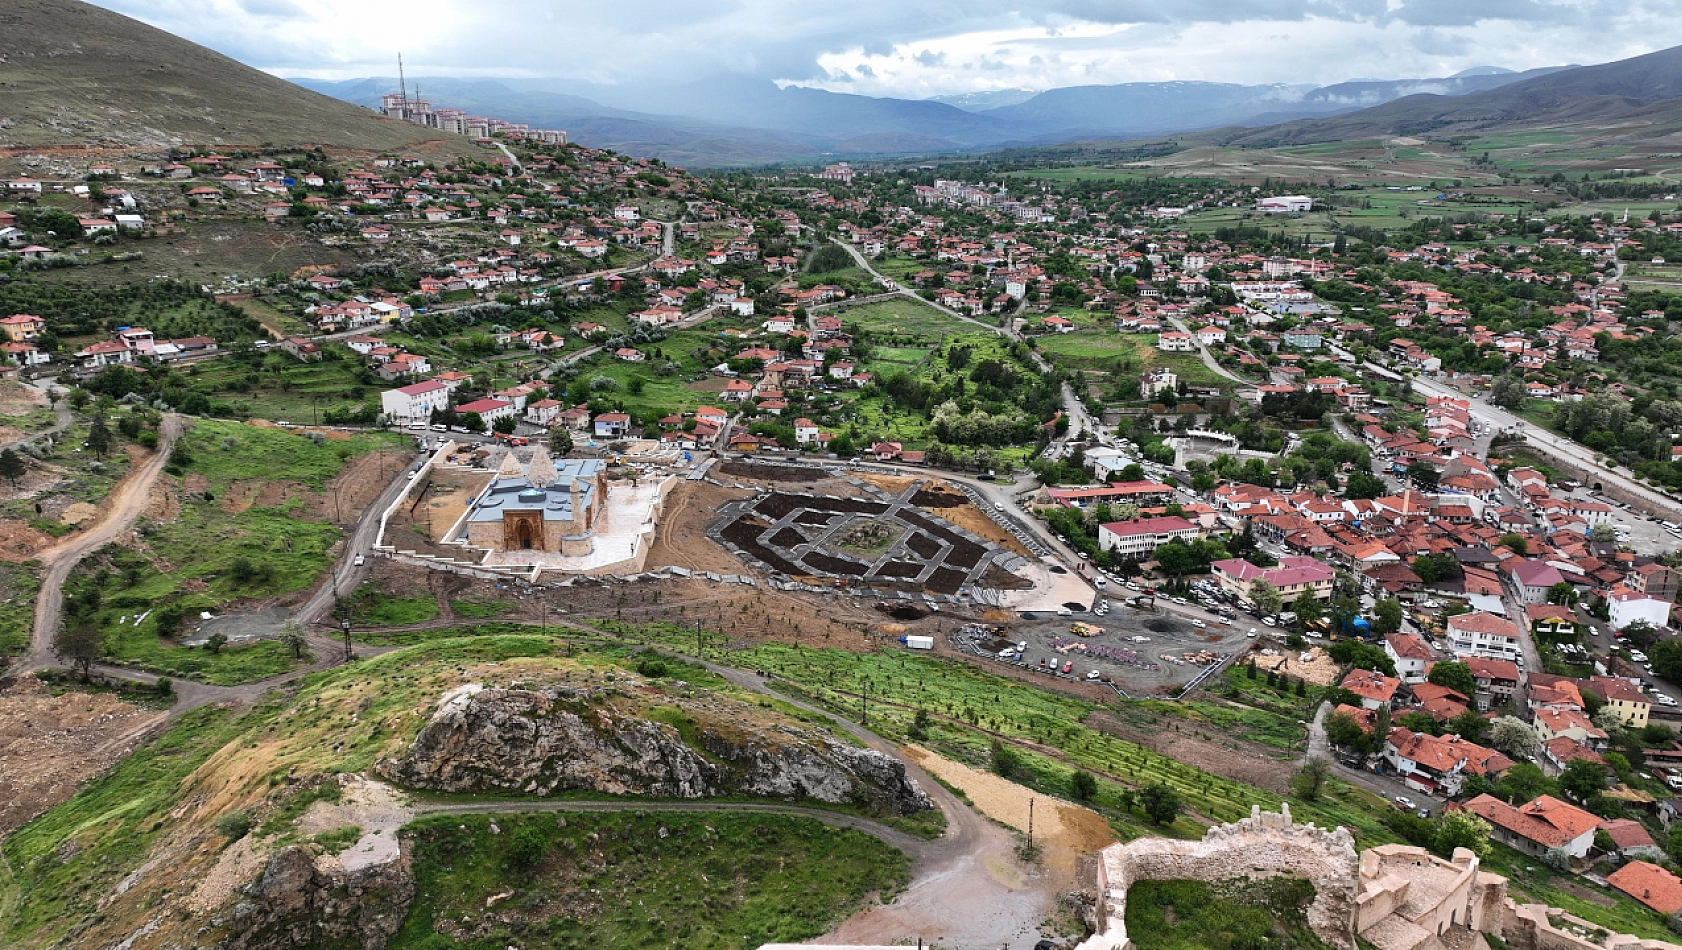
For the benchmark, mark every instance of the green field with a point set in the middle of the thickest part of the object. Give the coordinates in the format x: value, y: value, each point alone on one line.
x: 1239, y: 914
x: 643, y: 880
x: 903, y: 320
x: 1124, y: 353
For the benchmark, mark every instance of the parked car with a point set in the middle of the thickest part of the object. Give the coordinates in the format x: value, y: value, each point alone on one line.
x: 358, y: 561
x: 1199, y: 624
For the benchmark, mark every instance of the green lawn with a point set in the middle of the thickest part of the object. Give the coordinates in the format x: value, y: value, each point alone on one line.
x: 642, y: 880
x: 1126, y: 353
x: 195, y: 559
x: 283, y: 389
x: 1228, y: 915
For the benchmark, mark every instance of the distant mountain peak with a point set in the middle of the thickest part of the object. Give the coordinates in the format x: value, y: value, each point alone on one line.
x: 1483, y: 71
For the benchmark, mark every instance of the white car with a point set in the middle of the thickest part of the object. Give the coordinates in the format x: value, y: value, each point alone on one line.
x: 1226, y: 621
x: 1252, y: 634
x: 1199, y: 624
x: 1180, y: 600
x: 999, y: 506
x: 358, y: 561
x: 1098, y: 582
x: 1092, y: 674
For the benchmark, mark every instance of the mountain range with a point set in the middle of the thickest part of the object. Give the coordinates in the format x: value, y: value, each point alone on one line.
x: 72, y: 74
x: 730, y: 119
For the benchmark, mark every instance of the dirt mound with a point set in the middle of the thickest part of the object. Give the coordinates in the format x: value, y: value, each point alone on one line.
x: 21, y: 542
x: 50, y: 745
x: 938, y: 497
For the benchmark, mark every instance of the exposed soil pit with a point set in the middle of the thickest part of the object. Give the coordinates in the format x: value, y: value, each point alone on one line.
x: 946, y: 581
x: 1162, y: 626
x: 923, y: 545
x: 744, y: 533
x: 834, y: 565
x: 773, y: 473
x: 788, y: 538
x: 1074, y: 606
x: 816, y: 518
x: 899, y: 569
x: 904, y: 612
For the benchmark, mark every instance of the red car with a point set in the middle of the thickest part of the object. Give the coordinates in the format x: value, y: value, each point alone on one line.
x: 1068, y: 667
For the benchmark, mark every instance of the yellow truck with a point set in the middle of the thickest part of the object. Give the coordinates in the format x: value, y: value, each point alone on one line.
x: 1086, y: 630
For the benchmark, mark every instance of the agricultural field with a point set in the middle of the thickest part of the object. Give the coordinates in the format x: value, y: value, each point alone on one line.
x: 903, y: 322
x: 1123, y: 354
x: 246, y: 518
x: 280, y: 388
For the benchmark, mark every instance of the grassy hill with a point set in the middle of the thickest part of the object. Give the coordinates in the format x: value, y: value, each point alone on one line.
x: 1628, y: 101
x: 72, y: 74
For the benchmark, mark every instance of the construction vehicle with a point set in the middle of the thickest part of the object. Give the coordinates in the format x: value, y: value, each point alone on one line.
x: 1080, y: 629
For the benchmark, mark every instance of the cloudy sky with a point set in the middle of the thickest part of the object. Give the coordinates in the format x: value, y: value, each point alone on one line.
x: 918, y: 48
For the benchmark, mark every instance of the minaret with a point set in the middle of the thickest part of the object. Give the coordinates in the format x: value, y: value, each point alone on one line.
x: 402, y: 89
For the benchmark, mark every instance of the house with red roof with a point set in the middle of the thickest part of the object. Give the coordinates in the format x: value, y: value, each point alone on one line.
x: 1538, y: 826
x: 1649, y: 884
x: 1376, y: 690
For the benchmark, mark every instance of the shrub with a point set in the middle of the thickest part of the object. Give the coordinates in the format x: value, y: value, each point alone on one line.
x: 234, y: 825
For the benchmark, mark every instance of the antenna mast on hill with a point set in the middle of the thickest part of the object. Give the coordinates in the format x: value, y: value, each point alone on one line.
x: 402, y: 86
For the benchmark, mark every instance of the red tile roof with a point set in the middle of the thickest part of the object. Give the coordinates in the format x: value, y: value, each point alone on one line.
x: 1649, y: 884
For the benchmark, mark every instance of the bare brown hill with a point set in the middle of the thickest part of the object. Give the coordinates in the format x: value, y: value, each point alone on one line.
x: 72, y: 74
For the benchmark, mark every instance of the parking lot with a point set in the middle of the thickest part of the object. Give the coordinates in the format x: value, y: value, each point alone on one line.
x: 1142, y: 652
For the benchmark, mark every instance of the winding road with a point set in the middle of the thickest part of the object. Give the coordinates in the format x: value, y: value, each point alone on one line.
x: 125, y: 503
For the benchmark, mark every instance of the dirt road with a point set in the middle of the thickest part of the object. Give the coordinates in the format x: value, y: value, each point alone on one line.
x: 125, y: 503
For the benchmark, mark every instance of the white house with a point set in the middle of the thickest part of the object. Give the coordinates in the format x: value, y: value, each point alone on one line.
x: 413, y: 405
x: 805, y: 431
x: 1136, y: 539
x: 1483, y: 634
x: 489, y: 410
x: 1629, y: 606
x: 1175, y: 341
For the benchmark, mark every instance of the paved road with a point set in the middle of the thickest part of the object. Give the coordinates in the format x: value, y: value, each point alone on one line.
x: 1381, y: 785
x: 1495, y: 416
x: 1208, y: 358
x: 125, y: 503
x: 346, y: 575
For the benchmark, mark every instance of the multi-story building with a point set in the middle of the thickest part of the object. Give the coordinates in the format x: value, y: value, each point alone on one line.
x: 1484, y: 634
x: 1138, y: 539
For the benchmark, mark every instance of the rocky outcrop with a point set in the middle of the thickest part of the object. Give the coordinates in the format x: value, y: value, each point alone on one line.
x: 538, y: 741
x: 302, y: 901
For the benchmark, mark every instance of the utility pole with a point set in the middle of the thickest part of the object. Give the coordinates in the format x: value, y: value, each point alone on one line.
x: 864, y: 718
x: 1030, y: 821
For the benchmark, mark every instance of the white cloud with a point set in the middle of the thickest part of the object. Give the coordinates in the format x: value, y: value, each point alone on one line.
x: 890, y: 47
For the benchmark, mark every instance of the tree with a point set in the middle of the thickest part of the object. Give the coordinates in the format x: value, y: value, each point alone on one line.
x: 1343, y: 731
x: 1582, y: 780
x: 1364, y: 485
x: 1004, y: 760
x: 1310, y: 780
x: 1468, y: 725
x: 1562, y: 594
x: 1083, y: 786
x: 1508, y: 391
x: 472, y: 422
x: 79, y: 645
x: 1306, y: 607
x: 1642, y: 634
x: 292, y: 637
x: 99, y: 436
x: 504, y: 425
x: 1454, y: 675
x: 1603, y: 532
x: 1522, y: 783
x: 1461, y: 829
x: 1417, y: 721
x: 560, y: 440
x: 1387, y: 615
x: 1666, y: 656
x: 12, y: 466
x: 1161, y: 803
x: 1424, y: 474
x: 1514, y: 738
x: 1517, y: 542
x: 526, y: 847
x: 1266, y: 597
x: 216, y: 641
